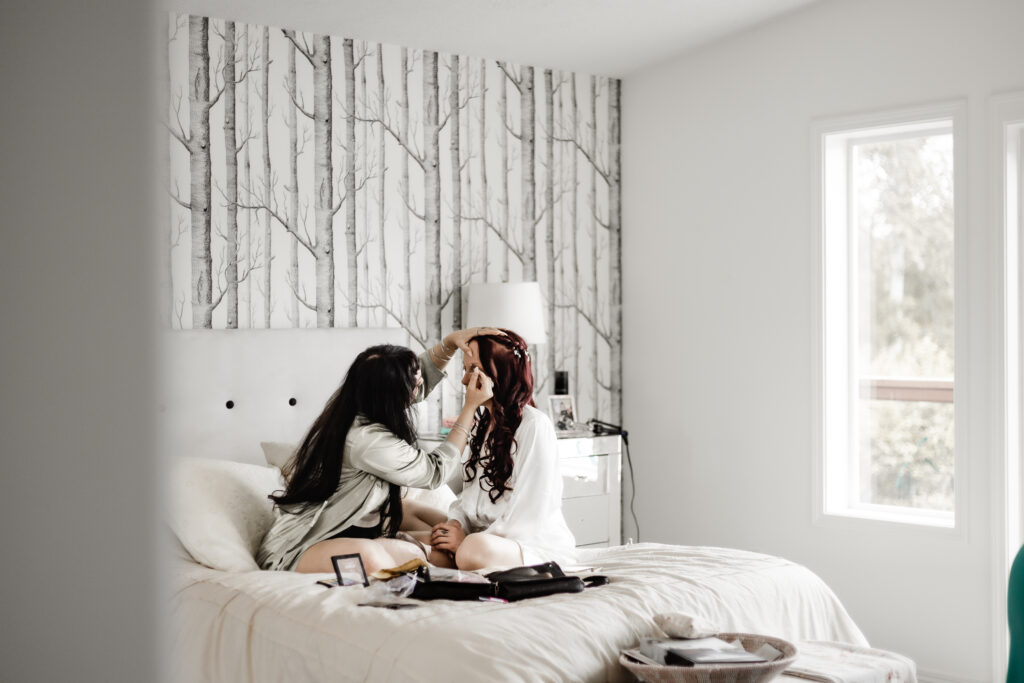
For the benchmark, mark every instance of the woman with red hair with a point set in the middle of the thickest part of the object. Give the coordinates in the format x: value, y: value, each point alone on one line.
x: 510, y: 509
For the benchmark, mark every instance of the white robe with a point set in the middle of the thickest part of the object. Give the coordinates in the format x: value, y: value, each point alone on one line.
x: 530, y: 510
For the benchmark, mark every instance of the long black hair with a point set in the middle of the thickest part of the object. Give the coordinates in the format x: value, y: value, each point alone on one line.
x: 380, y: 386
x: 506, y: 360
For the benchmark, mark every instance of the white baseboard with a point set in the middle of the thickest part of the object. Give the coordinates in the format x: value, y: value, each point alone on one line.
x: 934, y: 677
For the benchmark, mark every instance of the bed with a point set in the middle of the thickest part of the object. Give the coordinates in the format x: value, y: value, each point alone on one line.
x: 232, y: 622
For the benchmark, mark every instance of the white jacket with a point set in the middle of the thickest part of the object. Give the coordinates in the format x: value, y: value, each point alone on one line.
x: 373, y: 458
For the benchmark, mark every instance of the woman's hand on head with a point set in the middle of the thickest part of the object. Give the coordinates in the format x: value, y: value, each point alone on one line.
x: 479, y: 389
x: 460, y: 338
x: 447, y: 536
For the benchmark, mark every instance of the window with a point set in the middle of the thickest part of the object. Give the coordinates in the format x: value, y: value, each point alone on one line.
x: 888, y: 330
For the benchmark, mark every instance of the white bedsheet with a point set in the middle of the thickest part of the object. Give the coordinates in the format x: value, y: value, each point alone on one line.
x: 281, y: 626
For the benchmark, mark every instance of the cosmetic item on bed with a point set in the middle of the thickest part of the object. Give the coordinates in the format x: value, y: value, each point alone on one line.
x: 546, y: 570
x: 389, y: 605
x: 451, y: 590
x: 391, y: 572
x: 511, y: 591
x: 540, y: 579
x: 390, y: 594
x: 349, y: 570
x: 455, y: 575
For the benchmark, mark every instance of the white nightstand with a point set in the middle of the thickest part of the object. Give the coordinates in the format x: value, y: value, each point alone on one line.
x: 592, y: 488
x: 591, y: 469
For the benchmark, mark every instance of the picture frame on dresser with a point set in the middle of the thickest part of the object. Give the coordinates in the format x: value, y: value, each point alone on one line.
x: 562, y: 410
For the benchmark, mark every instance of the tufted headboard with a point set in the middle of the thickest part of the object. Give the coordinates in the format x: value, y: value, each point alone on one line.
x: 222, y: 392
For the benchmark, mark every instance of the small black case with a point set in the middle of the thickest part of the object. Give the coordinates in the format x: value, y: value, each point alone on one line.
x: 514, y: 584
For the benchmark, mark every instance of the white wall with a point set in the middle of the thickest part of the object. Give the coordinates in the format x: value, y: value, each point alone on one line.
x: 718, y: 348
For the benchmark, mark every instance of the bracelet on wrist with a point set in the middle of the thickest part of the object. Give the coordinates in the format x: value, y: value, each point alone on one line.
x: 459, y: 426
x: 440, y: 359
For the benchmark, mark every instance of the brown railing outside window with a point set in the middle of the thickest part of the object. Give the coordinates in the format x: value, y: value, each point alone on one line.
x: 907, y: 389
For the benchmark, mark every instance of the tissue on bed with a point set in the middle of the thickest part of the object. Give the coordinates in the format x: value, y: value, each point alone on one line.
x: 219, y: 510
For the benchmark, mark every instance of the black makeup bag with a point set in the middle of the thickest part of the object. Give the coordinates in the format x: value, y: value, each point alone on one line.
x: 514, y: 584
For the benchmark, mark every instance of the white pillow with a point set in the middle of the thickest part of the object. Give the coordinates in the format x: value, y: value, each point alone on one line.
x: 277, y: 454
x: 219, y: 510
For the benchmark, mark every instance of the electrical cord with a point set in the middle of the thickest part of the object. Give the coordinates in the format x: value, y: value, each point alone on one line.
x: 632, y: 487
x: 600, y: 427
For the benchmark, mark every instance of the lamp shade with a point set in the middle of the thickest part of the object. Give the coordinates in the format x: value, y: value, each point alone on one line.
x: 516, y: 306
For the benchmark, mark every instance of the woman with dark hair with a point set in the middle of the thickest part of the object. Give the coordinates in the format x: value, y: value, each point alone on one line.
x: 343, y: 486
x: 510, y: 509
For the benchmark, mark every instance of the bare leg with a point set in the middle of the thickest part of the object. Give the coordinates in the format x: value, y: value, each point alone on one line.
x: 381, y: 553
x: 440, y: 558
x: 400, y: 551
x: 421, y: 536
x: 420, y: 517
x: 317, y: 558
x: 487, y: 550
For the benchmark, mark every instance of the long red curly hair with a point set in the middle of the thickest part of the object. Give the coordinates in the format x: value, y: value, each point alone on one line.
x: 505, y: 360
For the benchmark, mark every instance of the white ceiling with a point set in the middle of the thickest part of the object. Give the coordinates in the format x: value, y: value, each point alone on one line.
x: 607, y: 37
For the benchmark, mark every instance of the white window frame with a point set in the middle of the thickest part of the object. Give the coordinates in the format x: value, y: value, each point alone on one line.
x: 835, y: 457
x: 1007, y: 169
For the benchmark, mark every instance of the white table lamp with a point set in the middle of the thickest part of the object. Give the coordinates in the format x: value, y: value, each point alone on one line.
x: 516, y: 306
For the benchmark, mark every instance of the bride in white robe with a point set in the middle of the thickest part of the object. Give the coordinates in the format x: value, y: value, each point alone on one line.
x: 510, y: 509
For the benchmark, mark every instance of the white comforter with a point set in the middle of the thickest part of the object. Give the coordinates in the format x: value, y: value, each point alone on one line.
x: 282, y: 626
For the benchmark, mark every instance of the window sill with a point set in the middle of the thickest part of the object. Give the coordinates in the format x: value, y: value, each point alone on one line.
x: 895, y: 515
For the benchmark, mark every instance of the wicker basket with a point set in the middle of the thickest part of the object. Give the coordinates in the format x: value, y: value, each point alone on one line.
x: 720, y: 673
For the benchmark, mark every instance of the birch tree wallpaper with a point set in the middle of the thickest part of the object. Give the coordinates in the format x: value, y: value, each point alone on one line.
x: 320, y: 181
